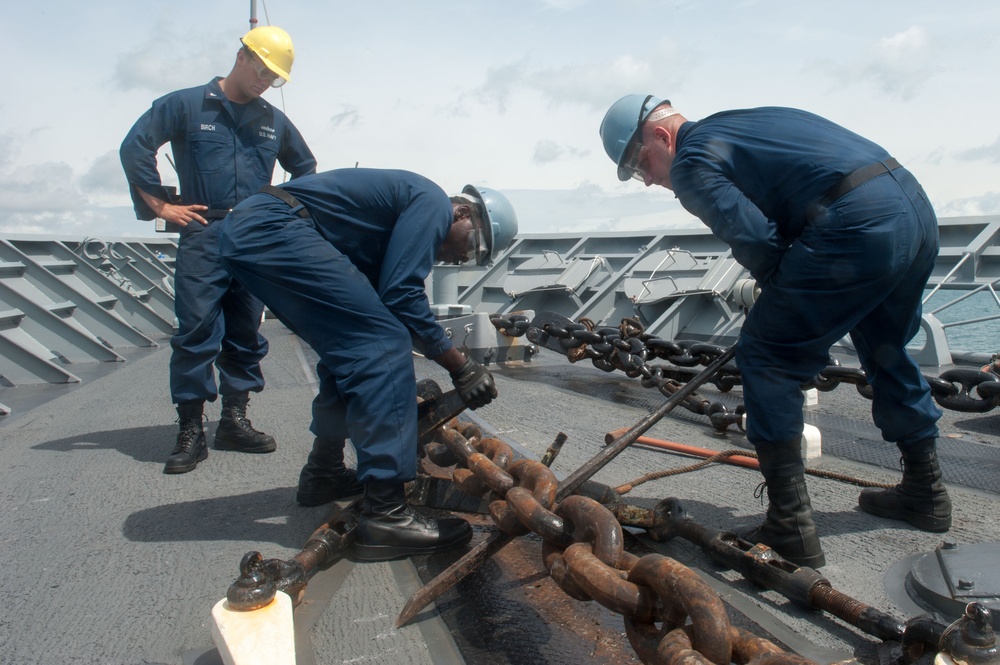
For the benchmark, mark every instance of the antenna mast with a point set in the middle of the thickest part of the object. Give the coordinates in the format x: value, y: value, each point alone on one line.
x: 253, y: 14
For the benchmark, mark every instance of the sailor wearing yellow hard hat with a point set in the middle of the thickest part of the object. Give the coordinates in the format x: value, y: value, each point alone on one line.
x: 225, y: 141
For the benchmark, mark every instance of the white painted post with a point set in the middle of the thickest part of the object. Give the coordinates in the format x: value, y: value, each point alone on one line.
x: 264, y: 636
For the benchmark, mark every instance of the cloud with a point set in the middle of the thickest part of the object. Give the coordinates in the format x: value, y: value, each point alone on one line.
x: 90, y: 223
x: 903, y: 45
x: 935, y: 156
x: 590, y: 207
x: 347, y: 117
x: 563, y: 5
x: 193, y: 60
x: 988, y: 152
x: 7, y: 150
x: 45, y: 188
x: 590, y: 84
x: 501, y: 82
x: 48, y: 199
x: 105, y: 175
x: 898, y: 65
x: 550, y: 151
x: 901, y: 63
x: 12, y: 144
x: 986, y: 204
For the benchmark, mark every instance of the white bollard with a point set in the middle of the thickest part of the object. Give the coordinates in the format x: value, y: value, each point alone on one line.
x: 812, y: 441
x: 811, y: 396
x: 264, y: 636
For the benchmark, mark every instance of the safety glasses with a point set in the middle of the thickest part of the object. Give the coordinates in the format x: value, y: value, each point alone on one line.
x: 635, y: 161
x: 263, y: 73
x: 476, y: 248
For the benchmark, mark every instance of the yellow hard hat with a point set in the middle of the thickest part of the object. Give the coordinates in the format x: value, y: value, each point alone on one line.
x: 274, y: 48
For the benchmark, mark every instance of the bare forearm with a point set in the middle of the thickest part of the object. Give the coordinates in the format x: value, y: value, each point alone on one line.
x: 178, y: 214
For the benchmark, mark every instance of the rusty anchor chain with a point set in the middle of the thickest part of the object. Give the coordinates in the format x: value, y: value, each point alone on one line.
x: 628, y: 348
x: 470, y: 561
x: 970, y: 639
x: 583, y: 552
x: 671, y: 615
x: 762, y: 565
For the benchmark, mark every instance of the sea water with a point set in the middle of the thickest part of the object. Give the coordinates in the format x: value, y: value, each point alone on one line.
x: 966, y: 334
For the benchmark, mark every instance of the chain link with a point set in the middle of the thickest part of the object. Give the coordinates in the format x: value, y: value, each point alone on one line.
x: 515, y: 325
x: 629, y: 349
x: 583, y: 550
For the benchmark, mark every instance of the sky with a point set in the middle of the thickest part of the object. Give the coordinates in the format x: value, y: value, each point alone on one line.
x: 508, y: 95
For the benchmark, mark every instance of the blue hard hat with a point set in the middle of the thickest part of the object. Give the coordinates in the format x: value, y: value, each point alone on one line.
x: 622, y: 125
x: 500, y: 221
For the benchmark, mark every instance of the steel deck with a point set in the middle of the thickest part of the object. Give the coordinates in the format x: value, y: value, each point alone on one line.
x: 107, y: 560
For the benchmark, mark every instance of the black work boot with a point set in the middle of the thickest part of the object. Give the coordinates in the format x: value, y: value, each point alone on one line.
x: 191, y: 447
x: 389, y: 529
x: 920, y: 499
x: 325, y: 477
x: 235, y: 432
x: 788, y: 528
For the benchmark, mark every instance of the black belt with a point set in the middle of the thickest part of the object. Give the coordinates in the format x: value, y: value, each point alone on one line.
x: 210, y: 215
x: 291, y: 201
x: 850, y: 181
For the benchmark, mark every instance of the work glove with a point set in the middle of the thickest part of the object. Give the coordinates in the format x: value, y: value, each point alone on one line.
x: 474, y: 384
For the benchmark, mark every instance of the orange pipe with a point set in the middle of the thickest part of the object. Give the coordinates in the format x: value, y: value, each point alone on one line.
x: 738, y: 460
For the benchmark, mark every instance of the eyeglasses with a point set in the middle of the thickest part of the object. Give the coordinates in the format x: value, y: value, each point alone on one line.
x: 635, y: 161
x: 475, y: 248
x: 471, y: 244
x: 262, y: 72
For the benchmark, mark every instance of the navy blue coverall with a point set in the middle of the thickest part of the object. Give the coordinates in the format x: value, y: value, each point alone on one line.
x: 349, y: 280
x: 224, y: 152
x: 857, y: 266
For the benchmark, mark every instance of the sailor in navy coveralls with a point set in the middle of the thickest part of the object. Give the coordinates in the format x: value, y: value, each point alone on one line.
x: 341, y: 258
x: 841, y: 240
x: 225, y: 141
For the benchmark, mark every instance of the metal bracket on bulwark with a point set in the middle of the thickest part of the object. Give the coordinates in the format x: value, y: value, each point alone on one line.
x: 476, y: 335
